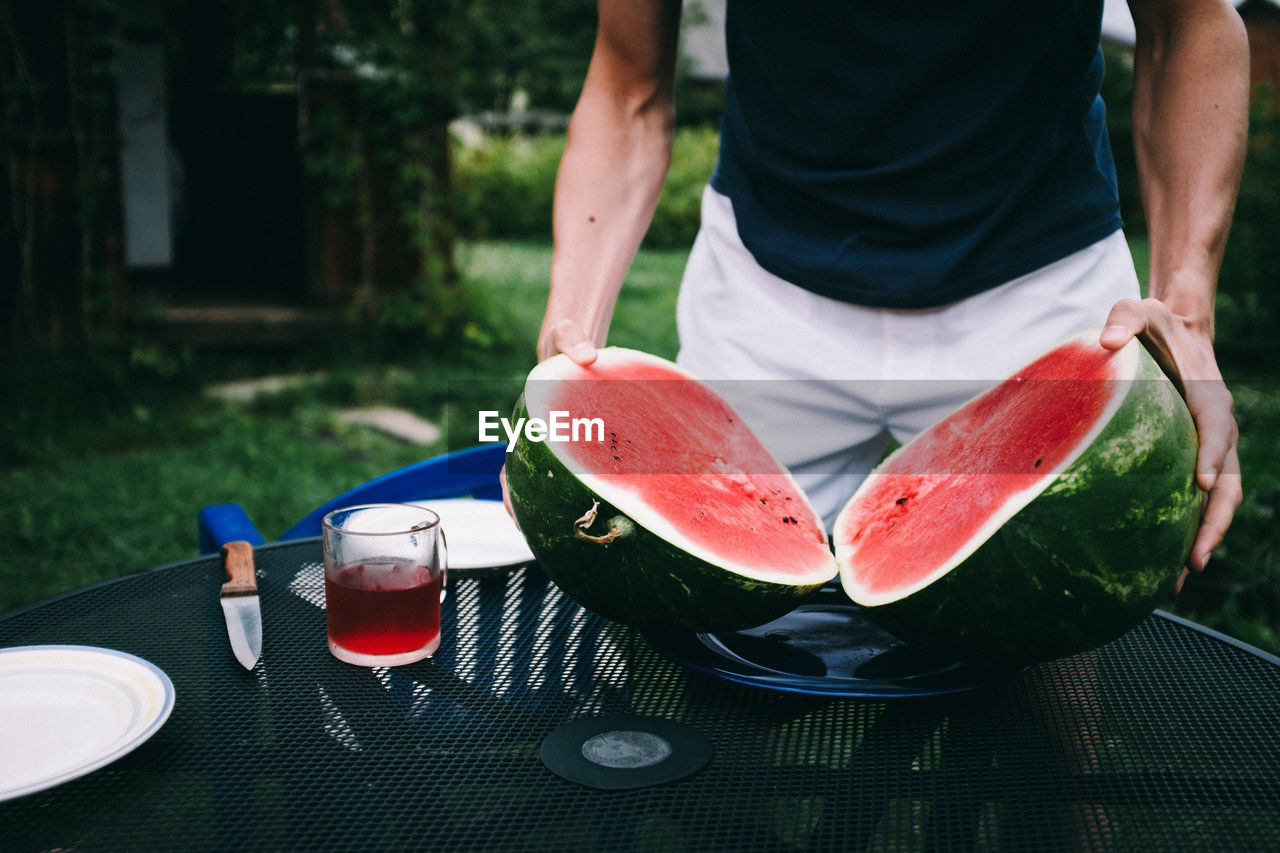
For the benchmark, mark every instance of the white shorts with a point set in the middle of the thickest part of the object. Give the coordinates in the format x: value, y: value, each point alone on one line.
x: 826, y: 384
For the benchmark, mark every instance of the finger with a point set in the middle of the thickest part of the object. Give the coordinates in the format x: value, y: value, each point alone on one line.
x: 1211, y: 404
x: 1224, y: 500
x: 569, y: 338
x: 1127, y: 319
x: 506, y: 495
x: 1182, y: 578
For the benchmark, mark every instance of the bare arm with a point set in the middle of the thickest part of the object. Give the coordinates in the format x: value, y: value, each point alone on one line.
x: 615, y: 159
x: 1191, y: 106
x: 1191, y: 103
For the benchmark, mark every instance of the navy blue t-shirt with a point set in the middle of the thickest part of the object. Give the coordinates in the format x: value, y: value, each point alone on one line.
x: 908, y: 153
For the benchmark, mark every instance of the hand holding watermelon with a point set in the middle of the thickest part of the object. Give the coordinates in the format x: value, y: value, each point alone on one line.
x: 680, y: 517
x: 1043, y: 518
x: 562, y: 336
x: 568, y: 337
x: 1184, y: 350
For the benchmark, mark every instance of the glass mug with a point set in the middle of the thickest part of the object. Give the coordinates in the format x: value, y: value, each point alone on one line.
x: 384, y: 574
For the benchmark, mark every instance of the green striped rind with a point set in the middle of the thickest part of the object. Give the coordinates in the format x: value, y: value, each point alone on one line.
x: 639, y: 579
x: 1085, y: 561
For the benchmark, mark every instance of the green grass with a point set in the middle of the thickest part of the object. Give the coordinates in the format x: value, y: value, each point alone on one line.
x: 109, y: 513
x: 511, y: 279
x: 105, y: 477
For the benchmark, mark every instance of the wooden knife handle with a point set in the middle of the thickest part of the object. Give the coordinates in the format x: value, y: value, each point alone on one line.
x: 237, y: 559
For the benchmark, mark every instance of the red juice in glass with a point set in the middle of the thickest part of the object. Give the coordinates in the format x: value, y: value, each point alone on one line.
x: 382, y: 613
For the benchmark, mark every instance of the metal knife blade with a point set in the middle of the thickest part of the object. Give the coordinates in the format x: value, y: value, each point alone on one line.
x: 240, y: 603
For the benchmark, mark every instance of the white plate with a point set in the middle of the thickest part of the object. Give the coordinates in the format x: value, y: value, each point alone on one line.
x: 481, y: 535
x: 68, y: 710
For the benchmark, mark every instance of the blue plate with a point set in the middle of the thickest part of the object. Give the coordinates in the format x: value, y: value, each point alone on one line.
x: 827, y: 647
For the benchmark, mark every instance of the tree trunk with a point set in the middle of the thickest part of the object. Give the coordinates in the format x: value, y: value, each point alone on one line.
x: 60, y: 243
x: 377, y: 186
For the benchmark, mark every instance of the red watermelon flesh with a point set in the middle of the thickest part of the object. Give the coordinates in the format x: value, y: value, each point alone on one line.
x: 952, y: 484
x: 684, y: 464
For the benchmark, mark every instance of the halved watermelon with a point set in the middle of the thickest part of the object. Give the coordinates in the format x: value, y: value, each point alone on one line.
x: 1043, y: 518
x: 677, y: 516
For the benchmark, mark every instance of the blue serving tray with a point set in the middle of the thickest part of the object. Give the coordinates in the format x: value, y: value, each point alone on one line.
x: 826, y: 646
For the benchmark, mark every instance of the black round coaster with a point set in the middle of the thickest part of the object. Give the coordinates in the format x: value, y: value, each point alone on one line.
x: 618, y: 752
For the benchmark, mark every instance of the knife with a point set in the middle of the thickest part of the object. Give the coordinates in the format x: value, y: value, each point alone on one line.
x: 240, y: 603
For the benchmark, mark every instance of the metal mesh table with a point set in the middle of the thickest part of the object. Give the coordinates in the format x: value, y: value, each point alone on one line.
x: 1168, y: 738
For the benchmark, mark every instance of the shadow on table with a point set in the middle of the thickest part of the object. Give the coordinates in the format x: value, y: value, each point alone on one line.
x: 458, y: 737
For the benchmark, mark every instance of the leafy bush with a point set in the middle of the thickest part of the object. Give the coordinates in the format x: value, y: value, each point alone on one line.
x: 1249, y: 283
x: 504, y: 187
x: 679, y: 213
